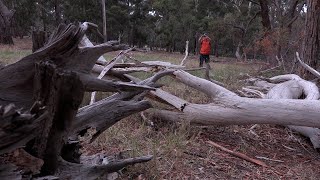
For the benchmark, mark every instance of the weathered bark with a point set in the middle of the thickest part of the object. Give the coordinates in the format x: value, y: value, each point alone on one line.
x: 106, y: 69
x: 69, y: 170
x: 307, y: 67
x: 295, y: 89
x: 61, y: 92
x: 311, y: 40
x: 105, y: 113
x: 110, y: 110
x: 17, y: 128
x: 16, y: 85
x: 228, y: 108
x: 85, y: 42
x: 57, y: 75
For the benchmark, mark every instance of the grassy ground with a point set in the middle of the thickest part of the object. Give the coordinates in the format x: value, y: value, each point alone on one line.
x: 181, y: 151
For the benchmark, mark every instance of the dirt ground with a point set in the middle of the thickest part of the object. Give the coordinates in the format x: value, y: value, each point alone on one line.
x: 182, y: 151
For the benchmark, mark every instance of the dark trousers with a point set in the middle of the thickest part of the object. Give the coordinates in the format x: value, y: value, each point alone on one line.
x: 204, y: 58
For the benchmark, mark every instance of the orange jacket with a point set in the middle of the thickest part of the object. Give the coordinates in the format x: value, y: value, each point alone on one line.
x: 205, y: 45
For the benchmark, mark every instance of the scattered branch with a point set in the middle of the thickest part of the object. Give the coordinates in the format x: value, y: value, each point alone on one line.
x: 310, y: 69
x: 239, y: 155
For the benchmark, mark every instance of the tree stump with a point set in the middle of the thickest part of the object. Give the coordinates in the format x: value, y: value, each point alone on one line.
x: 61, y: 92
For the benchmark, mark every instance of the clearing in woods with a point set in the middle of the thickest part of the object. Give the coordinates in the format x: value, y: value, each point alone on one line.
x: 182, y: 151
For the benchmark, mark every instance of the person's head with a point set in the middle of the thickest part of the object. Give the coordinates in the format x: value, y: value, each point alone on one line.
x: 205, y: 34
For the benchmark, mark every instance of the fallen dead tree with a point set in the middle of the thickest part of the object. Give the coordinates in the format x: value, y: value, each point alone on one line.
x: 55, y: 77
x: 294, y: 87
x: 227, y: 108
x: 54, y: 80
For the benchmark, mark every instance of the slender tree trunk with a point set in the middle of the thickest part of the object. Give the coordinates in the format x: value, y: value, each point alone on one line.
x: 265, y: 15
x: 104, y: 19
x: 216, y: 47
x: 5, y: 24
x: 57, y: 11
x: 311, y: 42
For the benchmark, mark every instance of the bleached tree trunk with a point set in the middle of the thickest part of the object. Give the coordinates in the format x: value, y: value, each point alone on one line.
x: 293, y: 88
x: 227, y: 108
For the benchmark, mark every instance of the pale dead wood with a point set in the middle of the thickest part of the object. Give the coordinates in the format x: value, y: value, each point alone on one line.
x: 230, y: 109
x: 94, y: 84
x: 269, y: 159
x: 106, y: 69
x: 310, y: 69
x: 71, y: 170
x: 183, y: 62
x: 163, y: 64
x: 85, y: 42
x: 194, y: 69
x: 294, y: 89
x: 238, y: 154
x: 253, y: 92
x: 105, y: 113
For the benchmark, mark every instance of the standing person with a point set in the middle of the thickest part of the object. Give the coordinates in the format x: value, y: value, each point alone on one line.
x: 205, y: 49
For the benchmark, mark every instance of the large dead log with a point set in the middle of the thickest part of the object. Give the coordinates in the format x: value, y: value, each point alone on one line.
x: 295, y: 87
x: 69, y: 170
x: 103, y: 114
x: 110, y: 110
x: 57, y: 75
x: 227, y: 108
x: 16, y: 85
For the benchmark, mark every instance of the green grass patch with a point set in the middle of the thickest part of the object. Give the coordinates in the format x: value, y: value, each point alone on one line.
x: 8, y: 56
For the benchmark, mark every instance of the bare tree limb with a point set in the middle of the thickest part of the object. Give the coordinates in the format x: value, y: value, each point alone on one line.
x: 183, y: 62
x: 309, y: 68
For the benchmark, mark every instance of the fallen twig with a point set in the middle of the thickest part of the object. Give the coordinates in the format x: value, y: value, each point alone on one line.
x: 237, y: 154
x: 146, y: 120
x: 265, y: 158
x: 290, y: 148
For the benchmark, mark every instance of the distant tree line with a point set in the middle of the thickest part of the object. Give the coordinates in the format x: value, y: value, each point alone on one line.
x: 246, y: 29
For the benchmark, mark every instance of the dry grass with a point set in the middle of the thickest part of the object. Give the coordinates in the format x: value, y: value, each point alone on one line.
x: 10, y: 54
x: 180, y: 150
